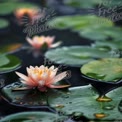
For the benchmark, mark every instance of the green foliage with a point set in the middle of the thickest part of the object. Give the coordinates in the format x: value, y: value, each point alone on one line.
x: 75, y: 55
x: 109, y: 68
x: 80, y: 101
x: 92, y: 3
x: 83, y: 100
x: 8, y: 63
x: 110, y: 45
x: 3, y: 23
x: 89, y: 26
x: 32, y: 117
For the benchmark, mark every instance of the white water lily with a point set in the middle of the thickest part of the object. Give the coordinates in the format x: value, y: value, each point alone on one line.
x: 42, y: 77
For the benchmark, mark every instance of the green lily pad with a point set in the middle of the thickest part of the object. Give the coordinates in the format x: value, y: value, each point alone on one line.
x: 80, y: 22
x: 109, y: 68
x: 17, y: 94
x: 88, y: 26
x: 3, y: 23
x: 9, y: 7
x: 3, y: 60
x: 92, y: 3
x: 9, y: 63
x: 82, y: 4
x: 102, y: 33
x: 75, y: 55
x: 10, y: 47
x: 111, y: 45
x: 32, y: 117
x: 82, y: 101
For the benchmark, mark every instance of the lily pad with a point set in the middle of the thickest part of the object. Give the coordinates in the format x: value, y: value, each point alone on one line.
x: 79, y: 22
x: 3, y: 60
x: 32, y: 117
x: 88, y: 26
x: 3, y: 23
x: 10, y: 47
x: 111, y: 45
x: 75, y: 55
x: 109, y: 69
x: 102, y: 33
x: 17, y: 94
x: 92, y: 3
x: 83, y: 100
x: 7, y: 8
x: 9, y: 63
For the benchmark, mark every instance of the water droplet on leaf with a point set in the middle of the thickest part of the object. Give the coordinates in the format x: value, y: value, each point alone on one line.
x: 104, y: 99
x: 100, y: 115
x: 59, y: 106
x: 109, y: 107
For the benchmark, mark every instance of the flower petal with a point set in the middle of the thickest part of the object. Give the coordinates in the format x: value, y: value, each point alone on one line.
x: 55, y: 44
x: 41, y: 83
x: 24, y: 77
x: 29, y: 41
x: 59, y: 77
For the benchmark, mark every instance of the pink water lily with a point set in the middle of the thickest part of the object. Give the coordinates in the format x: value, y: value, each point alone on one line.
x: 42, y: 77
x: 30, y: 12
x: 38, y: 41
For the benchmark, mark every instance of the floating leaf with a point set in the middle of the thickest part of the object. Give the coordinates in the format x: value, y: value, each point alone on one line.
x: 89, y: 26
x: 110, y: 68
x: 92, y: 3
x: 111, y: 45
x: 80, y: 22
x: 10, y: 47
x: 82, y: 4
x: 77, y: 101
x: 20, y: 95
x: 102, y: 33
x: 75, y: 55
x: 3, y: 60
x: 83, y: 100
x: 3, y: 23
x: 32, y: 117
x: 9, y: 63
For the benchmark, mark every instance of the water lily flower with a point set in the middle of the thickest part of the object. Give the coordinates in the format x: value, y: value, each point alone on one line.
x: 38, y: 41
x: 32, y: 13
x: 42, y: 77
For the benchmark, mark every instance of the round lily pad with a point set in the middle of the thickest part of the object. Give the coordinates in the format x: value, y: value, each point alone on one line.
x: 88, y: 26
x: 32, y: 117
x: 75, y: 55
x: 18, y: 94
x: 108, y: 69
x: 92, y: 3
x: 78, y: 23
x: 85, y: 101
x: 3, y: 23
x: 9, y: 63
x: 110, y: 45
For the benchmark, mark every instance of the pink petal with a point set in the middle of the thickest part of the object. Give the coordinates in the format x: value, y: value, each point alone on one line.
x: 59, y: 77
x: 24, y: 77
x: 27, y: 83
x: 29, y: 41
x: 55, y: 44
x: 53, y: 73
